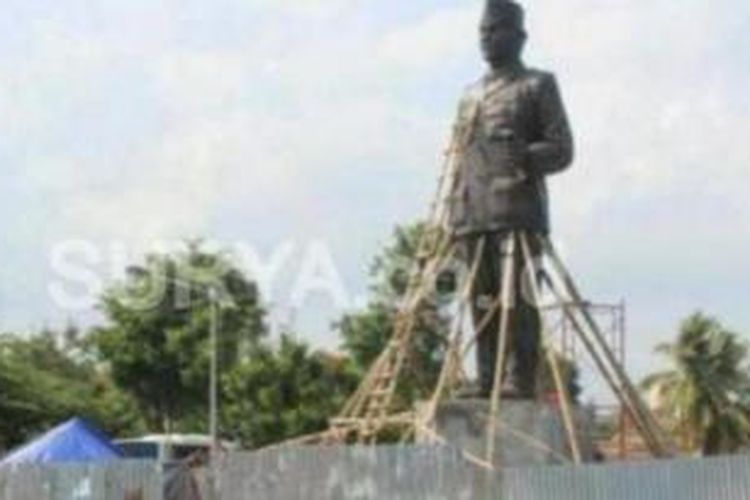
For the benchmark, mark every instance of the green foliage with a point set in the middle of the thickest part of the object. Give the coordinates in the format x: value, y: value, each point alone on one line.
x: 43, y: 382
x: 569, y: 373
x: 366, y: 333
x: 705, y: 393
x: 157, y: 338
x: 278, y: 394
x: 146, y: 368
x: 157, y: 346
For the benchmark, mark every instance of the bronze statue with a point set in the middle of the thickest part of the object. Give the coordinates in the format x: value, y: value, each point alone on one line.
x: 518, y: 134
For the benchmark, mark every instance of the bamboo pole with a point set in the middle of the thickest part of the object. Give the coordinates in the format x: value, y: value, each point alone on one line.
x: 436, y: 221
x: 507, y: 279
x: 359, y: 402
x: 618, y: 379
x: 603, y: 369
x: 453, y: 356
x: 562, y: 388
x: 404, y: 339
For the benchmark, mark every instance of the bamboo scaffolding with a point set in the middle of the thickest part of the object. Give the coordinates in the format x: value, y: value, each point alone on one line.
x: 560, y: 385
x: 506, y: 292
x: 369, y: 410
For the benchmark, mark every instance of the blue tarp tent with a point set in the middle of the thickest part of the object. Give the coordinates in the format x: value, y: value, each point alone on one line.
x: 74, y: 441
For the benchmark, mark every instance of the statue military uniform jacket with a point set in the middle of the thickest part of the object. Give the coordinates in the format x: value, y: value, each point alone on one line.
x: 511, y: 132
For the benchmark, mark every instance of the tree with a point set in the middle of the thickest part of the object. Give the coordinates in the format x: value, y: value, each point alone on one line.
x: 366, y: 333
x: 704, y: 394
x: 569, y: 372
x: 282, y: 393
x: 156, y: 340
x: 44, y: 380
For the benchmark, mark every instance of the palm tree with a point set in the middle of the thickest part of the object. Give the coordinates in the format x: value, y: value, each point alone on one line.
x: 705, y: 394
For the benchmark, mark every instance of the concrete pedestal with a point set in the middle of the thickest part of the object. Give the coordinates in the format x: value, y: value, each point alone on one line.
x: 528, y: 433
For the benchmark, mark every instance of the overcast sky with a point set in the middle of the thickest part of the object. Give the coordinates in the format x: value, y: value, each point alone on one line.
x: 319, y: 124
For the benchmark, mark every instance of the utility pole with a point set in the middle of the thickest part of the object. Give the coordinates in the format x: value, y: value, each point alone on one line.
x: 213, y: 392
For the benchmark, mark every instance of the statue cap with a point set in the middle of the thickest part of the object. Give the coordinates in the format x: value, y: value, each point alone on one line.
x: 504, y: 9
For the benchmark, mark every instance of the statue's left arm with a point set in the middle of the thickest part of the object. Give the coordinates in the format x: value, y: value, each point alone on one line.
x: 552, y: 149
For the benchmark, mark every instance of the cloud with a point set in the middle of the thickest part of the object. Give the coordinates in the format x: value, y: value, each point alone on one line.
x: 650, y: 116
x: 426, y: 45
x: 326, y: 119
x: 310, y: 8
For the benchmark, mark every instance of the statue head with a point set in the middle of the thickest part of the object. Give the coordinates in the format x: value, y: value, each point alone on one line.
x: 502, y: 32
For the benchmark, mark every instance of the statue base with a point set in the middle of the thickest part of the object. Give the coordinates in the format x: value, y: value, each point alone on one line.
x: 527, y: 432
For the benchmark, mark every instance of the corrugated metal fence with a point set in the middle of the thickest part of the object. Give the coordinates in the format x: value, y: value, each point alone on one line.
x: 352, y: 473
x: 437, y: 473
x: 707, y: 479
x: 117, y: 481
x: 391, y: 473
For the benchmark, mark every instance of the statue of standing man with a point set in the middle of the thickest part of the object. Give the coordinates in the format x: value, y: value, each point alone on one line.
x: 515, y: 133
